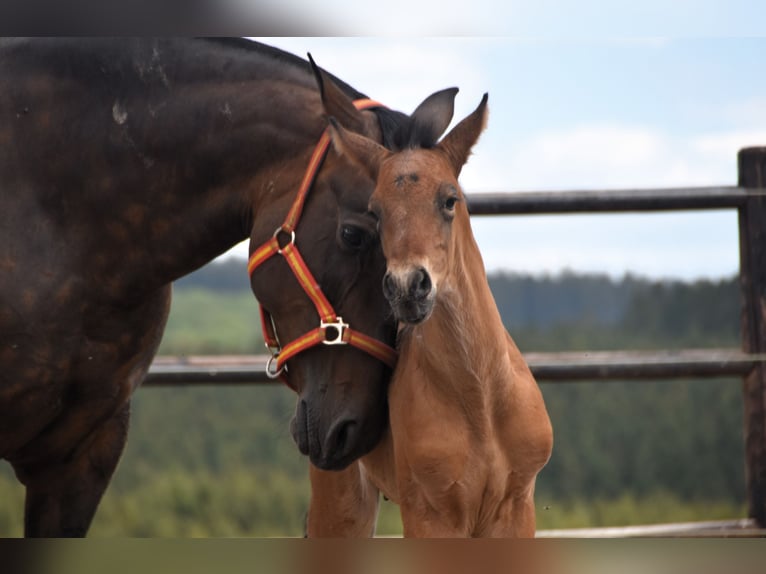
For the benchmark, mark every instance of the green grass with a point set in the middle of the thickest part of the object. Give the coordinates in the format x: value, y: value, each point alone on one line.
x: 202, y: 323
x: 249, y: 503
x: 628, y: 510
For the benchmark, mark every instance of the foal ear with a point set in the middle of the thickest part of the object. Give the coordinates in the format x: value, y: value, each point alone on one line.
x: 458, y: 143
x: 361, y: 150
x: 335, y: 102
x: 431, y: 118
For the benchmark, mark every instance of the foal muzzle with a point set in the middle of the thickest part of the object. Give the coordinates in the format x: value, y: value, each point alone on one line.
x: 410, y: 294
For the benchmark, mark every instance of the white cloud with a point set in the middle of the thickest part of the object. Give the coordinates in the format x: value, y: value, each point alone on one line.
x: 721, y: 146
x: 689, y: 246
x: 749, y: 112
x: 680, y: 244
x: 609, y: 156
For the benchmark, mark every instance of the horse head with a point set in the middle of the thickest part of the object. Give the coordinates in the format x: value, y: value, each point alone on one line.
x: 416, y: 202
x: 342, y: 407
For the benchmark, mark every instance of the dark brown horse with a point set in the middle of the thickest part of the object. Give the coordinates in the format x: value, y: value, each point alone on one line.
x: 126, y: 164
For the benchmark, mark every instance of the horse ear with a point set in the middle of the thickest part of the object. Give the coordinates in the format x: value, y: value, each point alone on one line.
x: 335, y: 102
x: 458, y: 143
x: 361, y: 150
x: 431, y: 118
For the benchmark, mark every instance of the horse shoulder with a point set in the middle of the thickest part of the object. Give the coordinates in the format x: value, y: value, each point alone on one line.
x: 525, y: 434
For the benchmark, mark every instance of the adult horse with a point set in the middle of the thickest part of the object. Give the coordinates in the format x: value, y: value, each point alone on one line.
x: 126, y: 164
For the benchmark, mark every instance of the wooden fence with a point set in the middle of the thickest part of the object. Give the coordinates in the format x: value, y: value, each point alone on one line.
x: 749, y: 362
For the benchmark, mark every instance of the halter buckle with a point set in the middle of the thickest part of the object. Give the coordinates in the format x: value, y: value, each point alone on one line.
x: 339, y: 326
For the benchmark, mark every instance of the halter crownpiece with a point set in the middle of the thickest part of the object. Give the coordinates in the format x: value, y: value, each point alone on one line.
x: 332, y: 329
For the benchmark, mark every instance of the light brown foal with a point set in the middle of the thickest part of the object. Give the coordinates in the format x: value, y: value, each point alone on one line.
x: 469, y: 430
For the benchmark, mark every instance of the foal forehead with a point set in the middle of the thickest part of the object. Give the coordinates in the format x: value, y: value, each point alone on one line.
x: 413, y: 173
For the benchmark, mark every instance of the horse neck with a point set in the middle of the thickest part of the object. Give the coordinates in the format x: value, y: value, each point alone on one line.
x: 240, y: 170
x: 463, y: 345
x: 195, y: 153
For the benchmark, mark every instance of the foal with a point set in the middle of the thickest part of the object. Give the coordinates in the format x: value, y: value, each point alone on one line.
x: 469, y: 430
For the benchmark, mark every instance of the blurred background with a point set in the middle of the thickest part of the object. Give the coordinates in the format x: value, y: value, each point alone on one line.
x: 219, y: 461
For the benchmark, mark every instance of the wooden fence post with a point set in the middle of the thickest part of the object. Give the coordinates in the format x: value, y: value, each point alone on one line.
x: 752, y: 250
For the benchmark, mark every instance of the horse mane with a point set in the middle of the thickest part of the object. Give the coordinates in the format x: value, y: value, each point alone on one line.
x: 281, y: 57
x: 396, y: 127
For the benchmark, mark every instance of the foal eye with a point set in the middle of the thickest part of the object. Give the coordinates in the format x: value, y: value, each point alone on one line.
x: 353, y: 237
x: 445, y: 201
x: 448, y: 207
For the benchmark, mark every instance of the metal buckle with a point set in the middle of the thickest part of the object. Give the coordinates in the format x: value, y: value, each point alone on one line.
x: 279, y: 230
x: 339, y: 327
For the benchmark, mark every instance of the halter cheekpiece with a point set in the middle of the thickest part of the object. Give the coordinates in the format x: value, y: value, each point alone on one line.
x: 332, y: 329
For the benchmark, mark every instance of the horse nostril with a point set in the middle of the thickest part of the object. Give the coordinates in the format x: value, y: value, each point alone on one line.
x: 299, y: 427
x: 389, y: 288
x: 420, y: 286
x: 340, y: 438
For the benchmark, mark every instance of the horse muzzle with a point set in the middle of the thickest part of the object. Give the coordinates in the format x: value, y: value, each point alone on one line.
x: 331, y: 449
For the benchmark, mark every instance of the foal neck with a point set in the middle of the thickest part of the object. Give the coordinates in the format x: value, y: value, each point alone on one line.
x: 463, y: 344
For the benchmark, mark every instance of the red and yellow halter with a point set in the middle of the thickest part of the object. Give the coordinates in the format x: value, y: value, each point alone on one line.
x: 332, y: 329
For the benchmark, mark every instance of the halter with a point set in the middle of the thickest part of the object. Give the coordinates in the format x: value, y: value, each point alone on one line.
x: 332, y: 329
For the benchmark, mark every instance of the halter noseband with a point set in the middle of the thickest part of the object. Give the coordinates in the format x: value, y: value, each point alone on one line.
x: 332, y: 329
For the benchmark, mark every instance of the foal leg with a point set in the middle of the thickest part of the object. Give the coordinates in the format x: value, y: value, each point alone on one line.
x: 432, y: 506
x: 524, y: 522
x: 516, y: 519
x: 425, y: 522
x: 343, y: 503
x: 62, y: 497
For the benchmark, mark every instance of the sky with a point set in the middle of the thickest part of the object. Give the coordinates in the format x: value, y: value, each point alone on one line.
x: 634, y: 105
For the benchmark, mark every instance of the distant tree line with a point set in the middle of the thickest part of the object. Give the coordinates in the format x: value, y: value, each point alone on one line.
x: 669, y: 312
x: 220, y: 461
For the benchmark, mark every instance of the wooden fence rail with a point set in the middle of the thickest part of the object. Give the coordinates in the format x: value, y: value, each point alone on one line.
x: 611, y: 201
x: 546, y: 367
x: 749, y: 363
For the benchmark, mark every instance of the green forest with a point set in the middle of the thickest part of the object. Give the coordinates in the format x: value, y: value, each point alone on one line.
x: 207, y: 461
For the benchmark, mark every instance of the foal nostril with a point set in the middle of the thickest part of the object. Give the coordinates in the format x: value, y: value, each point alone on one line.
x: 420, y: 286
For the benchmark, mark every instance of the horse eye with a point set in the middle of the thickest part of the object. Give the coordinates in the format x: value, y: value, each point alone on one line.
x: 353, y: 237
x: 449, y: 205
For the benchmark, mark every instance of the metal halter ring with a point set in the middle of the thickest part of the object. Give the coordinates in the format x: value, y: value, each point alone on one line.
x: 339, y: 327
x: 282, y: 230
x: 270, y: 372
